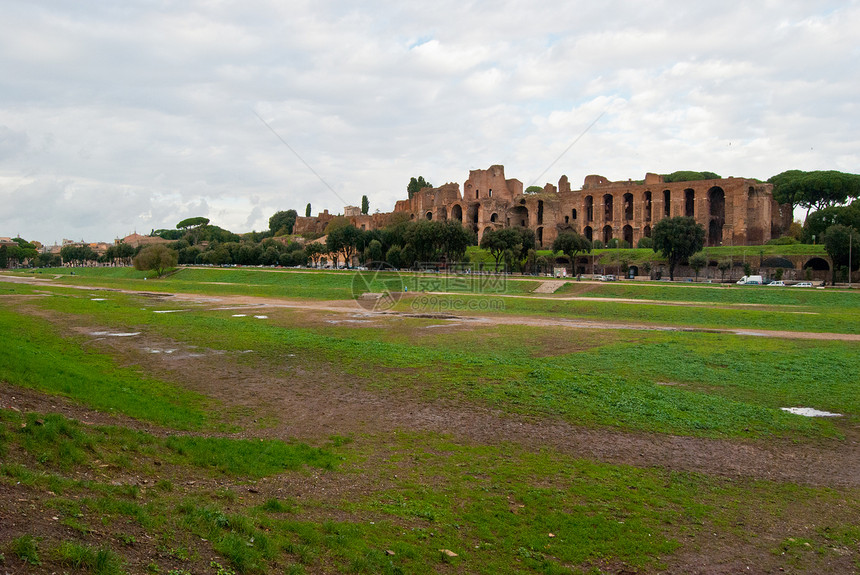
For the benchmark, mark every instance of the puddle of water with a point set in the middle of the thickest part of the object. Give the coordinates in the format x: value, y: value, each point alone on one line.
x: 98, y: 299
x: 167, y: 310
x: 239, y: 315
x: 109, y: 334
x: 810, y: 412
x: 261, y: 316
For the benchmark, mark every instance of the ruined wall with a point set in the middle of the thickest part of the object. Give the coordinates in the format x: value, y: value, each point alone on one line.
x: 733, y: 211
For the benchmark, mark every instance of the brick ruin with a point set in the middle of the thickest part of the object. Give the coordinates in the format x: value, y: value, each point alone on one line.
x: 733, y: 211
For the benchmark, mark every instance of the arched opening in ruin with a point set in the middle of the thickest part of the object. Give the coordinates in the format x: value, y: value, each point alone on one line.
x: 607, y: 207
x: 443, y: 214
x: 490, y: 193
x: 777, y: 262
x: 632, y: 272
x: 411, y: 216
x: 573, y: 213
x: 667, y: 203
x: 429, y: 215
x: 539, y: 237
x: 607, y: 234
x: 716, y: 215
x: 540, y: 212
x: 589, y: 209
x: 567, y: 219
x: 646, y: 231
x: 494, y: 218
x: 755, y: 231
x: 472, y: 213
x: 589, y: 233
x: 628, y: 206
x: 520, y: 216
x: 690, y: 203
x: 817, y: 264
x: 627, y: 234
x: 647, y: 206
x: 457, y: 212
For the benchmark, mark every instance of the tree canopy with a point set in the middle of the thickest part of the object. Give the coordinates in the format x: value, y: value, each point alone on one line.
x: 416, y: 185
x: 533, y: 190
x: 836, y: 241
x: 502, y: 243
x: 158, y: 258
x: 192, y: 223
x: 365, y: 205
x: 815, y: 190
x: 571, y: 243
x: 688, y: 176
x: 677, y: 238
x: 282, y: 223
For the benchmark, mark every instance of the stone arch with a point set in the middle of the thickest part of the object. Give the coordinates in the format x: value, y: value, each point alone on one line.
x: 472, y: 214
x: 647, y: 206
x: 607, y: 234
x: 589, y: 209
x: 429, y: 215
x: 494, y: 218
x: 411, y: 216
x: 646, y: 231
x: 539, y: 236
x: 667, y: 203
x: 690, y: 203
x: 520, y: 216
x: 607, y: 207
x: 817, y: 264
x: 457, y: 212
x: 628, y: 206
x: 588, y: 233
x: 716, y: 215
x: 627, y: 234
x: 777, y: 262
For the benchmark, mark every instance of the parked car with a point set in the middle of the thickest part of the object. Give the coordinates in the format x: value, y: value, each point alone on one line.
x: 609, y: 278
x: 750, y: 280
x: 599, y: 278
x: 803, y: 284
x: 777, y: 283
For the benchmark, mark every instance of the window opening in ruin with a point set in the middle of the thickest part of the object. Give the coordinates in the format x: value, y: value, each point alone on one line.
x: 667, y: 203
x: 494, y: 217
x: 689, y: 202
x: 540, y: 212
x: 716, y: 215
x: 457, y: 213
x: 429, y: 215
x: 540, y: 237
x: 491, y: 192
x: 607, y: 207
x: 589, y: 209
x: 573, y: 213
x: 628, y: 206
x: 589, y: 233
x: 647, y: 231
x: 567, y: 219
x: 647, y: 206
x: 607, y: 234
x: 628, y: 236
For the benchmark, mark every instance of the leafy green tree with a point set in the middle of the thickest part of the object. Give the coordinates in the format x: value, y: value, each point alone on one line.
x: 455, y: 239
x: 533, y: 190
x: 308, y: 210
x: 393, y: 257
x: 697, y: 262
x: 158, y: 258
x: 645, y: 243
x: 4, y: 257
x: 315, y: 251
x: 189, y: 223
x: 571, y: 243
x: 365, y: 205
x: 818, y: 221
x: 342, y: 240
x: 677, y: 238
x: 818, y: 190
x: 426, y: 238
x: 283, y: 222
x: 77, y: 255
x: 416, y: 185
x: 503, y: 243
x: 836, y: 241
x: 724, y: 265
x: 688, y: 176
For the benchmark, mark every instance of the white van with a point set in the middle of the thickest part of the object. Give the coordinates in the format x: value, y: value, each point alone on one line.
x: 750, y: 281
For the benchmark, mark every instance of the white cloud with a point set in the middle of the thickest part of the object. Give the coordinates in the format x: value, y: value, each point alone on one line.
x: 134, y: 116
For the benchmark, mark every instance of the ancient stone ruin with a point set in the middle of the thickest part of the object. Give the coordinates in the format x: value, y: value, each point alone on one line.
x: 733, y: 211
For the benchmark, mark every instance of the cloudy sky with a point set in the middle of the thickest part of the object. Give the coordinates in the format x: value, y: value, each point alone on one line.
x: 127, y: 116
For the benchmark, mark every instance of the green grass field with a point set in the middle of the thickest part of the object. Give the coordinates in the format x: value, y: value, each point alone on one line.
x: 208, y: 463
